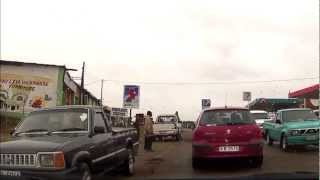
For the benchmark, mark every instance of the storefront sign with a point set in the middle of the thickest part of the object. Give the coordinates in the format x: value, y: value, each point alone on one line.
x: 119, y: 112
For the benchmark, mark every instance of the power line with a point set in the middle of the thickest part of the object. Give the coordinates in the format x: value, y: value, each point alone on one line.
x: 93, y: 82
x: 209, y: 83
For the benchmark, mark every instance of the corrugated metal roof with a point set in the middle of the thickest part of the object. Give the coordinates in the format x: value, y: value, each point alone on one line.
x: 20, y: 63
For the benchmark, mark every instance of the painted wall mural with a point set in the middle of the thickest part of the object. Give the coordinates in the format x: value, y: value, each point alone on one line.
x: 26, y: 88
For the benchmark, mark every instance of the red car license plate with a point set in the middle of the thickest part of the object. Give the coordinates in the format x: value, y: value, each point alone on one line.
x: 229, y: 148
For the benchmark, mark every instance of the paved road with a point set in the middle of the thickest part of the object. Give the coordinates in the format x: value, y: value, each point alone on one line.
x: 173, y: 159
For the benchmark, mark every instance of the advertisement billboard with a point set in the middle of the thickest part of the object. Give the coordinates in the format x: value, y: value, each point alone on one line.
x: 27, y: 88
x: 131, y: 96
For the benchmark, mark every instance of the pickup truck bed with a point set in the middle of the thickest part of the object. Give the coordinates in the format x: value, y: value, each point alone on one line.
x: 166, y: 130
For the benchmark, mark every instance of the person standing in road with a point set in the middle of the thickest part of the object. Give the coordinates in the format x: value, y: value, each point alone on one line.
x: 148, y: 134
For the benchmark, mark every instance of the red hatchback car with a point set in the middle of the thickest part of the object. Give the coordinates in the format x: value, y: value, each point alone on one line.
x: 227, y: 132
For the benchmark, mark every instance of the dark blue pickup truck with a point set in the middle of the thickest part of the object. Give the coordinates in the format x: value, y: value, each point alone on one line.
x: 68, y: 142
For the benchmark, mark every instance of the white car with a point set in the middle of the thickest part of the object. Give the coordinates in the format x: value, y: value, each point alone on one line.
x: 167, y: 126
x: 260, y: 117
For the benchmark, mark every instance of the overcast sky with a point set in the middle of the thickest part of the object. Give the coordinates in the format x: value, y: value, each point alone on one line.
x: 170, y: 41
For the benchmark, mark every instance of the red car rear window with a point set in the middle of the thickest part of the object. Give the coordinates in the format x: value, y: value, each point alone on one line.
x: 226, y: 117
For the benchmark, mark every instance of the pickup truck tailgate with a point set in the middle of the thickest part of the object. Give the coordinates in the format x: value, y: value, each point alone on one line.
x: 164, y: 129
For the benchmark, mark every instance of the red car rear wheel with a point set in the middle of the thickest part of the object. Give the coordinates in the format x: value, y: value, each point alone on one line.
x: 257, y: 162
x: 195, y: 163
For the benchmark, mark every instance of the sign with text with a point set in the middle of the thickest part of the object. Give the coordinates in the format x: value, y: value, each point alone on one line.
x: 119, y: 112
x: 206, y: 103
x: 140, y: 119
x: 246, y: 96
x: 131, y: 96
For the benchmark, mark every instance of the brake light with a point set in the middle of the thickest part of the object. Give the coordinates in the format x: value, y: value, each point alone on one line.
x: 197, y: 135
x: 202, y: 124
x: 259, y: 134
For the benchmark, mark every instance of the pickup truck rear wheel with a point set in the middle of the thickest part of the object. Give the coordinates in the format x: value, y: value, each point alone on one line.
x: 129, y: 163
x: 85, y: 172
x: 284, y: 143
x: 269, y: 140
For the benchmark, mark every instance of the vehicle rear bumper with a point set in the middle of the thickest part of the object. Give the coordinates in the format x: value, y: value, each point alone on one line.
x: 302, y: 140
x: 68, y: 174
x: 212, y: 150
x: 165, y: 134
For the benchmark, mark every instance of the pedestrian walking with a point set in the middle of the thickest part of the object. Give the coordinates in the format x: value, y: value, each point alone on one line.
x: 148, y: 128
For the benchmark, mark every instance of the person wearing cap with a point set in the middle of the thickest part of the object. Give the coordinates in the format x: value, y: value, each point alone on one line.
x: 148, y: 128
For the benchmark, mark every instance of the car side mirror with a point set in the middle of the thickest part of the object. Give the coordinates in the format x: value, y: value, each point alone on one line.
x: 99, y: 130
x: 12, y: 131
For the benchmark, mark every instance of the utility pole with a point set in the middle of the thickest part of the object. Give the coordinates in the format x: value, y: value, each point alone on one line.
x: 130, y: 118
x: 101, y: 98
x: 226, y: 99
x: 82, y: 85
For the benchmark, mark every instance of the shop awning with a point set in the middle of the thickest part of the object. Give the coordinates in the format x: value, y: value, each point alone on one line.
x: 311, y: 92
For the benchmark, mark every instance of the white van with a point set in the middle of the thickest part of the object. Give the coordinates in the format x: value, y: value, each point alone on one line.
x: 260, y: 117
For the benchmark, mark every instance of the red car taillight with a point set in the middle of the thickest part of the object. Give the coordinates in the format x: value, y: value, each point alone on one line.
x: 197, y: 135
x: 259, y: 134
x: 202, y: 124
x: 257, y: 140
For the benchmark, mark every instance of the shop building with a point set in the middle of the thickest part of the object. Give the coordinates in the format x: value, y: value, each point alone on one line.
x: 25, y: 87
